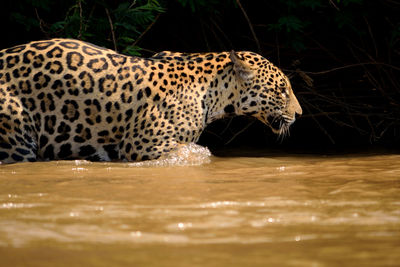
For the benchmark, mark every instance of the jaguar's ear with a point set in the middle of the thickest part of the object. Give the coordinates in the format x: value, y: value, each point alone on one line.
x: 242, y: 69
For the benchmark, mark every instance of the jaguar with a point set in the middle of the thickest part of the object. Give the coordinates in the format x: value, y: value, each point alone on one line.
x: 69, y: 99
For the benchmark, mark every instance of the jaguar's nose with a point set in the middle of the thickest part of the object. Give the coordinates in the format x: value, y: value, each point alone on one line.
x: 298, y: 111
x: 294, y: 105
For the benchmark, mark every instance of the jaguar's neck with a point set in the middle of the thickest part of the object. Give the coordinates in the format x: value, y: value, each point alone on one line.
x: 222, y: 93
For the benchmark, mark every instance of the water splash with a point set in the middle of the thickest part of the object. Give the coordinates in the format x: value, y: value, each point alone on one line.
x: 185, y: 155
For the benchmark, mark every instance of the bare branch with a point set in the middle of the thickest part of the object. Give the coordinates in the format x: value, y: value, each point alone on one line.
x: 80, y: 19
x: 334, y: 5
x: 112, y: 30
x: 250, y: 26
x: 41, y: 23
x: 239, y: 132
x: 146, y: 30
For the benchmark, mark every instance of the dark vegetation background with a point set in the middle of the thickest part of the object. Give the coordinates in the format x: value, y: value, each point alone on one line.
x: 342, y: 56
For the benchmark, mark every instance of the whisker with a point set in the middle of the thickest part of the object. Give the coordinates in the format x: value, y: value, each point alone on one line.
x: 284, y: 130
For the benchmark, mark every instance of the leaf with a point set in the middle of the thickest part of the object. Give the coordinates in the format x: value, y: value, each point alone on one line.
x: 127, y: 39
x: 57, y: 26
x: 343, y: 19
x: 125, y: 25
x: 313, y: 4
x: 291, y: 23
x: 23, y: 20
x: 291, y: 3
x: 132, y: 50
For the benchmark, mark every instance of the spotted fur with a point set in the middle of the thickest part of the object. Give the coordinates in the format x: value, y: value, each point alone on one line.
x: 67, y: 99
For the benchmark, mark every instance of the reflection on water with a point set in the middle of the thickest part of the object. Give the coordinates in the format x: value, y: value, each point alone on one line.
x: 291, y: 210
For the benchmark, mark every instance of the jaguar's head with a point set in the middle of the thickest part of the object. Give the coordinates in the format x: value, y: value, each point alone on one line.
x: 264, y: 92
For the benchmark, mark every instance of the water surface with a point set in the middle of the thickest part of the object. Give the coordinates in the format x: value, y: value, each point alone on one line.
x: 273, y: 209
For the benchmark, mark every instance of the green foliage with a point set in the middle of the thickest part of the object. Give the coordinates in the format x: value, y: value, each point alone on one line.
x: 296, y: 18
x: 28, y: 22
x: 288, y: 24
x: 349, y: 2
x: 119, y: 23
x: 112, y: 24
x: 312, y: 4
x: 206, y: 6
x: 131, y: 20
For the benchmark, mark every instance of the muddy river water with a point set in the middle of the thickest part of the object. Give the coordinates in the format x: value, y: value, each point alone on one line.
x: 264, y: 210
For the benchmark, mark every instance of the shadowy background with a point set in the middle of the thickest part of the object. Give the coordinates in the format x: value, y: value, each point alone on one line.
x: 342, y: 56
